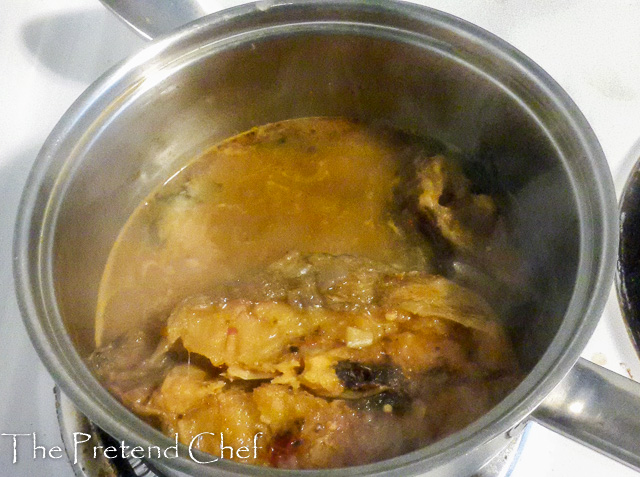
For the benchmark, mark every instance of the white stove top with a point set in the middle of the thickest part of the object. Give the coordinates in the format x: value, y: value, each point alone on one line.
x: 50, y: 51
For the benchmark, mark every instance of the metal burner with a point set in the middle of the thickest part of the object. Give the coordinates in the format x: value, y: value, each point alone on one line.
x: 88, y: 465
x: 85, y: 464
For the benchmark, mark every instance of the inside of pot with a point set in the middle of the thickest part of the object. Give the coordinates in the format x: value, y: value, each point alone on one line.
x: 195, y: 98
x: 369, y: 79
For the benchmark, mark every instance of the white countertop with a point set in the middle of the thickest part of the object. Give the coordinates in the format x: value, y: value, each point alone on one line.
x: 51, y: 50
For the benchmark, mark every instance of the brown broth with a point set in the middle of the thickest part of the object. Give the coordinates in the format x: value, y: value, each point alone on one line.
x: 282, y: 285
x: 309, y: 185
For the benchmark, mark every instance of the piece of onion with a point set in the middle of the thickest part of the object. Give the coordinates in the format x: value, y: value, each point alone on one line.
x: 357, y: 338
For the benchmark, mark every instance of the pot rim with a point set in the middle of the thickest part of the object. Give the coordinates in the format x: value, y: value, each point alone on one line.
x: 33, y: 241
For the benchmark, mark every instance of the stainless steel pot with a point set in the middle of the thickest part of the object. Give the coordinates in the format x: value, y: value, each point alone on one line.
x: 395, y: 63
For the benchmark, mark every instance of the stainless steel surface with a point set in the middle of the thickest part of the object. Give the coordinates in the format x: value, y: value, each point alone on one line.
x: 598, y: 408
x: 153, y: 18
x: 628, y: 270
x: 501, y: 465
x: 74, y: 428
x: 394, y: 63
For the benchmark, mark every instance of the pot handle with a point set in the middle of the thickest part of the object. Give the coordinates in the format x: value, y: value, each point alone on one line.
x: 153, y: 18
x: 598, y: 408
